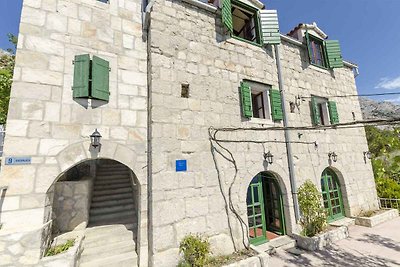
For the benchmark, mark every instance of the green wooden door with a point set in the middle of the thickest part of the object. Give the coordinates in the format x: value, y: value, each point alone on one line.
x: 273, y: 206
x: 256, y: 212
x: 332, y: 195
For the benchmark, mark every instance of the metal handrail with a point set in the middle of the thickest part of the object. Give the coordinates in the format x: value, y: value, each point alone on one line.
x: 392, y: 203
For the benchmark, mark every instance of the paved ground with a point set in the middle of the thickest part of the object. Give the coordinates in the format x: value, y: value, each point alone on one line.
x: 366, y: 247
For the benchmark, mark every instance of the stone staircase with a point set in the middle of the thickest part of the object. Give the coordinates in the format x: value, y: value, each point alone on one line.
x: 112, y: 199
x: 109, y: 245
x: 282, y: 243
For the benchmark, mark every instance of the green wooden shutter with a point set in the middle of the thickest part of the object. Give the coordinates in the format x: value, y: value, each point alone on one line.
x: 333, y: 114
x: 316, y: 117
x: 245, y: 93
x: 227, y: 14
x: 309, y: 46
x: 276, y: 104
x: 333, y: 54
x: 270, y: 27
x: 100, y: 79
x: 80, y: 85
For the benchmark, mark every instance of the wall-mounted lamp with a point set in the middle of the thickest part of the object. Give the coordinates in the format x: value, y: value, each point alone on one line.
x: 332, y: 156
x: 95, y: 139
x: 367, y: 155
x: 268, y: 157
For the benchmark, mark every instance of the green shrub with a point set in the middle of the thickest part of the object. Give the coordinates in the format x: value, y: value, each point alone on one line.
x: 195, y: 250
x: 314, y: 217
x: 60, y: 248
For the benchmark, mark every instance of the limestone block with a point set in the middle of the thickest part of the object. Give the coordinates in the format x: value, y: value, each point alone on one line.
x: 168, y: 257
x: 111, y: 117
x: 167, y: 212
x: 196, y: 206
x: 128, y: 41
x: 10, y: 203
x: 56, y: 63
x: 39, y: 129
x: 51, y: 147
x: 118, y: 133
x: 67, y: 8
x: 33, y: 16
x: 221, y: 245
x: 32, y: 201
x: 21, y: 146
x: 32, y: 59
x: 17, y: 127
x: 88, y: 30
x: 57, y: 22
x: 31, y: 91
x: 191, y: 225
x: 74, y: 26
x: 165, y: 238
x: 52, y: 111
x: 85, y: 13
x: 42, y: 76
x: 49, y: 5
x: 44, y: 45
x: 128, y: 117
x: 66, y: 131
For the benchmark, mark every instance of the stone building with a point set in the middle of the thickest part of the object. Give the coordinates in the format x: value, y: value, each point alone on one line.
x: 191, y: 101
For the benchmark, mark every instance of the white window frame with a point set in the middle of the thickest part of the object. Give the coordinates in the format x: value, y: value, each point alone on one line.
x: 256, y: 87
x: 324, y: 115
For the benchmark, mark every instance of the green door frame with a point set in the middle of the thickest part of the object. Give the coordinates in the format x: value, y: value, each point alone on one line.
x: 268, y: 178
x: 332, y: 195
x: 255, y: 204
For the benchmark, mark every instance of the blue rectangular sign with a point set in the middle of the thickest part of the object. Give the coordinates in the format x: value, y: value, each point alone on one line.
x: 181, y: 165
x: 18, y: 160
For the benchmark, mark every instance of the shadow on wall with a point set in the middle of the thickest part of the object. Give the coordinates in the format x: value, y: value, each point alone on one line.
x: 2, y: 196
x: 381, y: 241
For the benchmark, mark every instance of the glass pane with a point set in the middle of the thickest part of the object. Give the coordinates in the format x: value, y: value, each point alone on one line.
x: 251, y: 222
x: 255, y: 192
x: 323, y: 185
x: 250, y: 211
x: 257, y: 210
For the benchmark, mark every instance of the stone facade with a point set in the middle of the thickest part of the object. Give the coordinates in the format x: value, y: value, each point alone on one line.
x: 185, y: 45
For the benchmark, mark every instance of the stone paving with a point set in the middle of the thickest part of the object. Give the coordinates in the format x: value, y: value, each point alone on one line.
x: 366, y: 247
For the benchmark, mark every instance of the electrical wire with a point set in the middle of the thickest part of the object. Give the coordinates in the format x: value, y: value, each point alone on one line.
x: 355, y: 95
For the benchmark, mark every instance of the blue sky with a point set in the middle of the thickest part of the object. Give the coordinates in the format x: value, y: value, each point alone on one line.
x: 367, y: 30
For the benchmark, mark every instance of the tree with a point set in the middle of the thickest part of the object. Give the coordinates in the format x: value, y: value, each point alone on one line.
x: 7, y: 62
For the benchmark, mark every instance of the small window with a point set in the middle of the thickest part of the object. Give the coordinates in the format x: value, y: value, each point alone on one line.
x: 317, y: 52
x: 104, y: 1
x: 324, y: 112
x: 258, y: 104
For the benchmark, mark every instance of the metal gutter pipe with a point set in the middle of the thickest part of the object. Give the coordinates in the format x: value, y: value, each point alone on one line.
x: 287, y: 138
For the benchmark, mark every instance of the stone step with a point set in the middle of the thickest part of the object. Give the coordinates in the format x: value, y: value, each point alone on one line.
x: 97, y: 241
x: 111, y: 209
x: 100, y: 198
x: 343, y: 222
x: 106, y: 250
x: 128, y: 259
x: 104, y: 230
x: 100, y: 187
x: 282, y: 243
x: 112, y: 181
x: 112, y: 176
x: 110, y: 203
x: 97, y: 193
x: 112, y: 218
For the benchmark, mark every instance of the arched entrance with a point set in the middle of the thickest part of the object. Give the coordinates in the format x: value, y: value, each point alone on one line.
x: 332, y: 195
x: 265, y: 209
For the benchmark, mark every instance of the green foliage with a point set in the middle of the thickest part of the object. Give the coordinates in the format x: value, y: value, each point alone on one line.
x: 314, y: 217
x: 195, y: 249
x: 60, y: 248
x: 7, y: 62
x: 385, y: 148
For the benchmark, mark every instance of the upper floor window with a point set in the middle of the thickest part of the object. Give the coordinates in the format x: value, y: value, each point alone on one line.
x: 250, y: 24
x: 317, y: 53
x: 260, y: 101
x: 324, y: 53
x: 324, y: 112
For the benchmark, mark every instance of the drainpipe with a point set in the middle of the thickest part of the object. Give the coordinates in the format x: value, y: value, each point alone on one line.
x: 287, y: 138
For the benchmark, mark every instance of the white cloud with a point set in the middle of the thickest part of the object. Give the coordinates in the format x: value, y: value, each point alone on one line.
x: 389, y: 84
x: 394, y: 100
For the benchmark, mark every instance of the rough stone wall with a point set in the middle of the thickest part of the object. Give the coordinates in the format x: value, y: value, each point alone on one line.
x: 45, y: 122
x: 188, y: 45
x: 72, y: 204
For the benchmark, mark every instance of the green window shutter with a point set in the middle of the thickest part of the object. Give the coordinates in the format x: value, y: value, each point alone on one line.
x: 333, y: 54
x: 227, y: 14
x: 309, y: 46
x: 276, y: 104
x: 316, y: 117
x: 245, y: 93
x: 270, y: 27
x: 80, y: 85
x: 100, y: 79
x: 333, y: 114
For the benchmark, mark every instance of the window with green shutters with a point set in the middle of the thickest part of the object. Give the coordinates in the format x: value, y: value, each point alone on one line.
x: 324, y: 53
x: 260, y: 101
x: 324, y: 112
x: 91, y: 78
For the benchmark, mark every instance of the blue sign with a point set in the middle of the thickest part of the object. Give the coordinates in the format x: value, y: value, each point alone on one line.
x: 18, y: 161
x: 181, y: 165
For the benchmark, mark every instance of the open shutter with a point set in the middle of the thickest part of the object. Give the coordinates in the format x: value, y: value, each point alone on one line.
x: 333, y: 114
x: 270, y: 27
x: 333, y: 54
x: 227, y: 14
x: 276, y: 104
x: 245, y: 93
x: 80, y: 85
x: 316, y: 117
x: 100, y: 79
x: 309, y: 46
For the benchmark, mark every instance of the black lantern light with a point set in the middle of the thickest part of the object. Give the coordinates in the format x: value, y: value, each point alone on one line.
x: 367, y: 155
x: 95, y: 139
x: 332, y: 156
x: 269, y: 157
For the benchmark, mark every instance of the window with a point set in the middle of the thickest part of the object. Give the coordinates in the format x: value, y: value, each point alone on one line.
x: 249, y: 23
x: 324, y: 112
x: 317, y: 52
x: 324, y: 53
x: 104, y: 1
x: 245, y: 22
x: 260, y: 101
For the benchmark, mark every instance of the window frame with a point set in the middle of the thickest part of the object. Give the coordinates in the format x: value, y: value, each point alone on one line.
x: 323, y: 107
x: 312, y: 38
x: 249, y: 9
x: 266, y: 99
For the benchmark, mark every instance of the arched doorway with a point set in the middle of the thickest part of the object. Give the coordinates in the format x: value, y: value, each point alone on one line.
x: 265, y: 209
x: 332, y: 195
